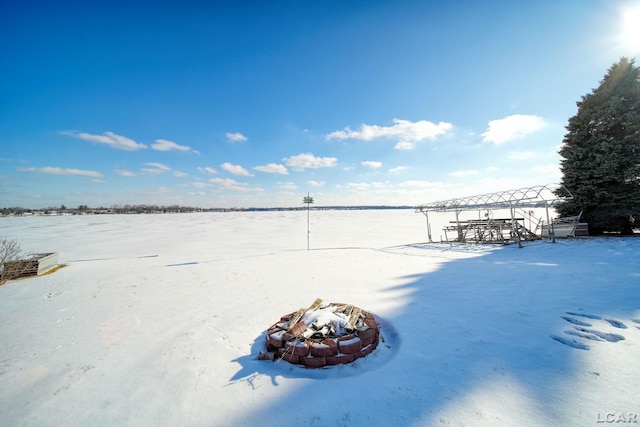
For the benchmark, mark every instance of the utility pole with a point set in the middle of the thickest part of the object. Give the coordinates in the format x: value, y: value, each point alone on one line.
x: 308, y: 200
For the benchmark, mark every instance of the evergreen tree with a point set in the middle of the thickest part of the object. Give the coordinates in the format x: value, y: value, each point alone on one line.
x: 601, y: 153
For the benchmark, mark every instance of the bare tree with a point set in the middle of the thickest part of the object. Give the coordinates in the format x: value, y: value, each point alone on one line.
x: 10, y: 250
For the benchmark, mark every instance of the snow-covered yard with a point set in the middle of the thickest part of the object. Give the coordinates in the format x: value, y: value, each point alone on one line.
x: 158, y: 320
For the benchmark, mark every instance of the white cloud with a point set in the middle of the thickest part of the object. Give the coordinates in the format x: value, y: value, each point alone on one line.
x: 200, y: 184
x: 232, y: 184
x: 179, y: 174
x: 61, y: 171
x: 208, y: 169
x: 236, y: 137
x: 152, y: 171
x: 373, y: 165
x: 315, y: 183
x: 165, y: 145
x: 420, y: 184
x: 155, y: 169
x: 405, y: 145
x: 272, y: 168
x: 398, y: 169
x: 406, y: 132
x: 109, y: 138
x: 512, y: 127
x: 235, y: 169
x: 125, y: 173
x: 160, y: 166
x: 365, y: 186
x: 467, y: 172
x: 309, y: 161
x: 159, y: 190
x: 287, y: 186
x: 358, y: 186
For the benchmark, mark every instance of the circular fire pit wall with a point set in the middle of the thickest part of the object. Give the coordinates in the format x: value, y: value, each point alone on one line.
x: 322, y: 334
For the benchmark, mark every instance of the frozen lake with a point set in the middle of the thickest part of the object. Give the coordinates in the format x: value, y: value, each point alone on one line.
x: 158, y: 320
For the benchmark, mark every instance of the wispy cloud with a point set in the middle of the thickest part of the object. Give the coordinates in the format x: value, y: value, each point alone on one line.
x: 157, y: 190
x: 232, y: 184
x: 166, y: 145
x: 111, y: 139
x: 155, y: 168
x: 287, y: 186
x: 365, y: 186
x: 125, y: 173
x: 235, y: 137
x: 235, y: 169
x: 160, y: 166
x: 62, y: 171
x: 273, y: 168
x: 316, y: 184
x: 208, y: 169
x: 200, y: 184
x: 309, y: 161
x: 398, y: 169
x: 371, y: 164
x: 179, y: 174
x: 512, y: 127
x: 407, y: 133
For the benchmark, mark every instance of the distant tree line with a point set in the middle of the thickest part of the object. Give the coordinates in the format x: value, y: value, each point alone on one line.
x: 158, y: 209
x: 86, y: 210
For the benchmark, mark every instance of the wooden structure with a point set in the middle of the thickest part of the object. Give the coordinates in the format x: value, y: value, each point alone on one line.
x: 487, y: 229
x: 34, y: 265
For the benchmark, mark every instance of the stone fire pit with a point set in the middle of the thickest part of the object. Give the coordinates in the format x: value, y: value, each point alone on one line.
x: 321, y: 335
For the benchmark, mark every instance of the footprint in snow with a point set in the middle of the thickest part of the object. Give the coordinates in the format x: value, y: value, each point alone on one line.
x: 588, y: 316
x: 570, y: 342
x: 604, y: 335
x: 616, y: 324
x: 584, y: 330
x: 612, y: 322
x: 583, y: 335
x: 575, y: 321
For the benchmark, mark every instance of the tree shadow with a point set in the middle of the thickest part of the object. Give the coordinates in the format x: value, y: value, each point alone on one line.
x: 475, y: 323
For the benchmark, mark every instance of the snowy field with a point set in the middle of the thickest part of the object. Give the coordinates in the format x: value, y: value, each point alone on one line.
x: 157, y: 320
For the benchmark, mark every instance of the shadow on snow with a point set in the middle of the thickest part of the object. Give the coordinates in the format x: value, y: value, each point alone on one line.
x: 482, y: 320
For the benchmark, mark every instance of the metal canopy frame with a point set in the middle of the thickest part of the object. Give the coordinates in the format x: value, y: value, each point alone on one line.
x: 548, y: 195
x: 537, y: 195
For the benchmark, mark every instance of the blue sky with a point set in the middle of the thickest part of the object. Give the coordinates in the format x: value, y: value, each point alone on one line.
x: 256, y: 104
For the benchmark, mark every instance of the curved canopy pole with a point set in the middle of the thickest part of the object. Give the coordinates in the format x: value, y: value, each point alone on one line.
x: 521, y: 196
